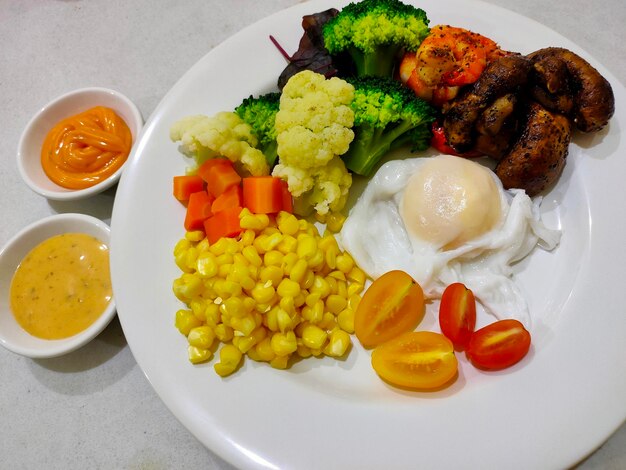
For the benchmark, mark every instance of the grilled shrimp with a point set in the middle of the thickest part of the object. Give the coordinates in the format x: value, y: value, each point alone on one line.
x: 447, y: 59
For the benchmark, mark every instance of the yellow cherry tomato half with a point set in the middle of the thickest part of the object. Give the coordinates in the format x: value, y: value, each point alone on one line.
x: 392, y: 305
x: 421, y: 360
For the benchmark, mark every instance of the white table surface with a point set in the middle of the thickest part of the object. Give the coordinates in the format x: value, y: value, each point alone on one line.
x: 94, y: 408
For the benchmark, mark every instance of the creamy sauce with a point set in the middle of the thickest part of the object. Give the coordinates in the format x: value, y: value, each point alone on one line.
x: 85, y: 149
x: 62, y: 286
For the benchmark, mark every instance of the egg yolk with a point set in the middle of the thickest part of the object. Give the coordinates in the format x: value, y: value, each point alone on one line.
x: 449, y: 201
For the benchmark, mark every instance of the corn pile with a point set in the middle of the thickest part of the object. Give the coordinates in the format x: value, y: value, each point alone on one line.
x: 279, y: 290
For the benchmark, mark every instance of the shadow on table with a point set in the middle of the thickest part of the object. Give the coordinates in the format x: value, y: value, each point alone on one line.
x: 102, y: 362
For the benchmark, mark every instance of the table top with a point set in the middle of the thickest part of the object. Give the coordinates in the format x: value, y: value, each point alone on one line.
x: 94, y: 408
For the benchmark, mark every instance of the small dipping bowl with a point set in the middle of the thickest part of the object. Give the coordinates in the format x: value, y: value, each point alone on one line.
x: 12, y: 336
x: 67, y: 105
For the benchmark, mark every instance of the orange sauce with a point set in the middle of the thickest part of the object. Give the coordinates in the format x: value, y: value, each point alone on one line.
x: 85, y: 149
x: 62, y: 286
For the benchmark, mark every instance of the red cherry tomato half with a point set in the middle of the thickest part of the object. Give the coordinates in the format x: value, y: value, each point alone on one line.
x: 457, y: 314
x: 392, y: 305
x: 498, y: 345
x: 417, y: 359
x: 440, y: 143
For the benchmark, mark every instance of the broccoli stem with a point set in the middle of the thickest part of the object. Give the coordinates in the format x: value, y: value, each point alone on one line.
x: 371, y: 144
x: 380, y: 63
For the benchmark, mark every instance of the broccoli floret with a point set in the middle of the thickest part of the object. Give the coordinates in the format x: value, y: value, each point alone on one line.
x: 260, y: 114
x: 375, y: 33
x: 386, y: 115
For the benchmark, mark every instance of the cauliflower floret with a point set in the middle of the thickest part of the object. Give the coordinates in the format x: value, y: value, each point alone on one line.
x: 224, y: 134
x: 325, y: 188
x: 314, y: 126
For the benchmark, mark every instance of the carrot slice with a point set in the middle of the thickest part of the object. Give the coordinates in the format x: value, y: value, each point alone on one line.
x: 223, y: 224
x: 198, y: 210
x: 232, y: 197
x: 262, y: 194
x: 203, y: 170
x: 185, y: 185
x: 220, y: 177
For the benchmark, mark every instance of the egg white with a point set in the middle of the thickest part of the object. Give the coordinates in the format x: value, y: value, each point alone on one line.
x: 376, y: 236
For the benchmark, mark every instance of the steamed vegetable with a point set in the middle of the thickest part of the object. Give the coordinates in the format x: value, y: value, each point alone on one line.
x: 223, y: 135
x: 313, y: 128
x: 374, y: 33
x: 260, y: 113
x: 387, y: 115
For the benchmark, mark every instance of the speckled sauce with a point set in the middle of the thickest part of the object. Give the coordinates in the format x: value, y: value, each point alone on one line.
x: 62, y: 286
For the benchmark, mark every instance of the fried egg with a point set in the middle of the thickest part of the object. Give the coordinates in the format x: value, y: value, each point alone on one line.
x: 447, y: 219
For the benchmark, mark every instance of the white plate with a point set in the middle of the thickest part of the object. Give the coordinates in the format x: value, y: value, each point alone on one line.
x: 550, y: 411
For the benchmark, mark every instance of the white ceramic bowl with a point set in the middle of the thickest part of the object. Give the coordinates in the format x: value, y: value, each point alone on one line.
x: 12, y: 335
x: 67, y: 105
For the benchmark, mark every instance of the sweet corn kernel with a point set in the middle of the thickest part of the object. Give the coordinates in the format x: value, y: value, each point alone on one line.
x: 335, y: 303
x: 271, y: 319
x: 342, y: 289
x: 233, y: 306
x: 313, y: 336
x: 224, y: 258
x: 230, y: 358
x: 197, y: 306
x: 273, y: 258
x: 273, y: 274
x: 250, y: 253
x: 308, y: 280
x: 263, y: 293
x: 243, y: 326
x: 316, y: 260
x: 338, y: 343
x: 219, y: 247
x: 287, y: 245
x: 212, y: 314
x: 247, y: 342
x: 223, y: 270
x: 298, y: 271
x: 223, y: 332
x: 206, y: 264
x: 187, y: 286
x: 287, y: 223
x: 334, y: 221
x: 303, y: 351
x: 181, y: 246
x: 198, y: 355
x: 307, y: 246
x: 353, y: 301
x: 288, y: 288
x: 332, y: 284
x: 345, y: 263
x: 185, y: 321
x: 253, y: 222
x: 354, y: 288
x: 289, y: 260
x: 288, y: 305
x: 264, y: 350
x: 247, y: 238
x: 357, y: 275
x: 345, y: 320
x: 203, y: 246
x: 320, y: 286
x: 284, y: 344
x: 280, y: 362
x: 284, y: 321
x: 269, y: 242
x: 194, y: 236
x: 337, y: 275
x: 328, y: 321
x: 201, y: 337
